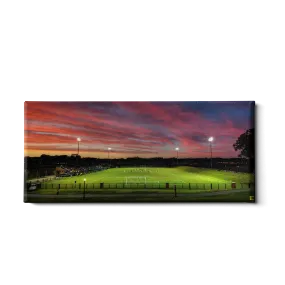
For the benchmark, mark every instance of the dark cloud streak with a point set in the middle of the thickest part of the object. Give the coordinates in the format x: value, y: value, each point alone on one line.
x: 134, y: 127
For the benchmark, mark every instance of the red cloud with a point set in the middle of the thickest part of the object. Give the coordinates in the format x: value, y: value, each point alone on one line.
x: 134, y: 127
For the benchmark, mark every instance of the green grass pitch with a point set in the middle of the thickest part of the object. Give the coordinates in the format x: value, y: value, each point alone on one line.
x: 144, y: 181
x: 159, y: 175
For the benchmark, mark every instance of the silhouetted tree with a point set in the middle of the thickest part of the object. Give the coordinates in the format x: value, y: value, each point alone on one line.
x: 245, y: 143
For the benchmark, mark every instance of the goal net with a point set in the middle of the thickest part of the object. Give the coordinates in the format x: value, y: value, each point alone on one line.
x: 135, y: 179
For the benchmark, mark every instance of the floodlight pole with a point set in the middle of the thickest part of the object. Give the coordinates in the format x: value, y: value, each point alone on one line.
x: 78, y: 141
x: 211, y: 154
x: 177, y: 149
x: 177, y: 157
x: 210, y: 139
x: 109, y: 156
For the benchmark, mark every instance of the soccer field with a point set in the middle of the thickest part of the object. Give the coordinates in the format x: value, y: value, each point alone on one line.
x: 145, y: 184
x: 159, y: 175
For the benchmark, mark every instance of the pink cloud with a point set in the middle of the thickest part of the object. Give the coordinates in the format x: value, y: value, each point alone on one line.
x: 133, y: 127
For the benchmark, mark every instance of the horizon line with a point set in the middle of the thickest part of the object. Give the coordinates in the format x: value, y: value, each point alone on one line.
x: 135, y: 157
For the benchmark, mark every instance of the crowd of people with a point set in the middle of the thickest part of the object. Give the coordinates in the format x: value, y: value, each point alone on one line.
x: 65, y: 171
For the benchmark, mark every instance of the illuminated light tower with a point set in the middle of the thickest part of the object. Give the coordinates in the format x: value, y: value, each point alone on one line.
x: 177, y: 149
x: 109, y: 149
x: 210, y: 140
x: 78, y: 141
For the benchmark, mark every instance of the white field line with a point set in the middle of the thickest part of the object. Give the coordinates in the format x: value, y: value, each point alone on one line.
x: 128, y: 178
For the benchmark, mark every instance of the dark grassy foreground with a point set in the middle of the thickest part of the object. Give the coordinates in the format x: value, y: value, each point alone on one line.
x: 149, y: 196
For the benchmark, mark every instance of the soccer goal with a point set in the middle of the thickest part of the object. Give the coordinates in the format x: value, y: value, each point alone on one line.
x: 135, y: 179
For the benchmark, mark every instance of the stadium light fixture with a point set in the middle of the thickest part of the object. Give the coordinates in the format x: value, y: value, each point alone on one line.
x: 210, y: 139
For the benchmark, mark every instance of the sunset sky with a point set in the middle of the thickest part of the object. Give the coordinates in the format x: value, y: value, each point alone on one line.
x: 145, y: 129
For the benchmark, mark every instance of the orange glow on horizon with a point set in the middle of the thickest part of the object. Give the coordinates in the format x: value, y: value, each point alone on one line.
x: 143, y: 129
